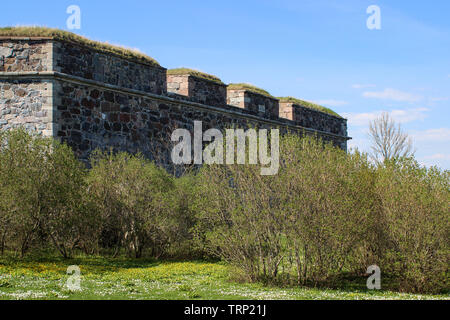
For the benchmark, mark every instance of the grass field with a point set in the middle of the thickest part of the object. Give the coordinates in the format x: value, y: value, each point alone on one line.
x: 132, y: 279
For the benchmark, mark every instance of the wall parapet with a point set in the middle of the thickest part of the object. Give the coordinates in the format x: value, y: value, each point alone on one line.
x: 256, y: 103
x: 48, y: 54
x: 312, y: 118
x: 197, y: 88
x: 229, y: 109
x: 93, y: 99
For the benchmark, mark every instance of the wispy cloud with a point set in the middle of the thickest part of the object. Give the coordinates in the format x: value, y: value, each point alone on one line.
x: 438, y: 159
x: 363, y: 86
x: 438, y: 156
x: 439, y: 99
x: 409, y: 115
x: 392, y: 94
x: 332, y: 103
x: 433, y: 135
x: 361, y: 143
x: 402, y: 116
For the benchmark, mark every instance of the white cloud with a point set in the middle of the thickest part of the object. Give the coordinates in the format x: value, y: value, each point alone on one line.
x: 409, y: 115
x: 433, y: 135
x: 360, y: 119
x: 359, y: 142
x: 402, y: 116
x: 363, y: 86
x: 439, y: 156
x: 392, y: 94
x: 438, y: 159
x: 332, y: 103
x: 439, y: 99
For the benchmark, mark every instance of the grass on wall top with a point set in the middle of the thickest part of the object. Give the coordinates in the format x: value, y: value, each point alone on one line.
x: 194, y: 73
x: 309, y: 105
x: 72, y: 37
x: 249, y: 87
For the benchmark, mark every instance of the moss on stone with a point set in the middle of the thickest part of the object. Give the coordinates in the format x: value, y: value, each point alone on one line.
x: 72, y: 37
x: 249, y: 87
x: 194, y: 73
x: 308, y: 104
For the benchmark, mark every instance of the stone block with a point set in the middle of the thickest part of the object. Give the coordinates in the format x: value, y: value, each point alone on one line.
x: 198, y: 89
x: 258, y: 104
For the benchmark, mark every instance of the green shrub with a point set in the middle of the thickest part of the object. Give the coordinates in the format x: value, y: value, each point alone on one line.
x: 415, y: 224
x: 134, y: 199
x: 186, y: 194
x: 240, y: 220
x: 327, y: 198
x: 325, y: 214
x: 41, y: 185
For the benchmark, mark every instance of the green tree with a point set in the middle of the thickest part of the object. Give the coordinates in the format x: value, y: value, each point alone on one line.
x: 133, y: 197
x: 41, y: 184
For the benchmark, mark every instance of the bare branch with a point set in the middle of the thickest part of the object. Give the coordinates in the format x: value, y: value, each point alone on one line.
x: 388, y: 140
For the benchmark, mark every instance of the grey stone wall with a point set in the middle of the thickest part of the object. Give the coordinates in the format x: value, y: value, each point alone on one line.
x: 178, y: 84
x: 95, y: 100
x: 26, y: 103
x: 198, y: 89
x: 26, y: 55
x: 84, y: 62
x: 91, y: 117
x: 255, y: 103
x: 310, y: 118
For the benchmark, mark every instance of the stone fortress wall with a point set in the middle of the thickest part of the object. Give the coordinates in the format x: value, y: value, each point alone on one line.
x: 92, y: 99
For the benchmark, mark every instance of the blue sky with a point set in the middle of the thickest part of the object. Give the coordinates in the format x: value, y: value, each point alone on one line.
x: 318, y: 50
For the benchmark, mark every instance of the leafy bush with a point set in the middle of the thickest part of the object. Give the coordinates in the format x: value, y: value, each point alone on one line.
x: 324, y: 214
x: 327, y: 213
x: 328, y: 202
x: 415, y: 206
x: 240, y: 220
x: 186, y: 194
x: 132, y: 197
x: 313, y: 215
x: 41, y: 185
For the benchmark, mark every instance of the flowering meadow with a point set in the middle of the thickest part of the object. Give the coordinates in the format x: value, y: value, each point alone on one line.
x: 46, y: 279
